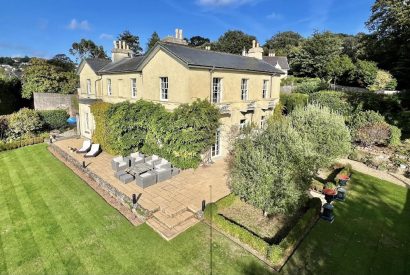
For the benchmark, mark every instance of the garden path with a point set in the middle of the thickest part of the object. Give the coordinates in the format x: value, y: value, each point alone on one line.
x: 391, y: 177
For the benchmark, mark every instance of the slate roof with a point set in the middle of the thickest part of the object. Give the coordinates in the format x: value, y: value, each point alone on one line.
x: 281, y: 60
x: 97, y: 63
x: 210, y: 59
x: 124, y: 65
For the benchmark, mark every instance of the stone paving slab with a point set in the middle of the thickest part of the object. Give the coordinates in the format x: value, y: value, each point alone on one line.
x: 177, y: 200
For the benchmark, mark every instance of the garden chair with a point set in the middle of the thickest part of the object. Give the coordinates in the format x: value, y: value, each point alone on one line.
x: 86, y: 147
x: 163, y: 174
x: 146, y: 179
x: 152, y: 160
x: 137, y: 158
x: 162, y: 163
x: 120, y: 163
x: 94, y: 151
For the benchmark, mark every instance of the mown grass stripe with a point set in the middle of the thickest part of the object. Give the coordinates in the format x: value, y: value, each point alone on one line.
x: 88, y: 228
x: 30, y: 259
x: 57, y: 250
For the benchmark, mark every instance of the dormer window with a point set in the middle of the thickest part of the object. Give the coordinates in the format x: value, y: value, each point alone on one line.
x: 109, y: 87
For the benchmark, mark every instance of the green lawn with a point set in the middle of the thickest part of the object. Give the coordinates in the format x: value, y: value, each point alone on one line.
x: 370, y: 235
x: 52, y: 222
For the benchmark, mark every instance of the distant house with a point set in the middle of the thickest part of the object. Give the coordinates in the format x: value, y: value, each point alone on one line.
x: 279, y: 62
x: 244, y: 88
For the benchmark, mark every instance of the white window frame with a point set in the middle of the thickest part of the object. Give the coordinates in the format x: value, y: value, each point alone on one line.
x: 216, y: 147
x: 265, y: 88
x: 244, y: 89
x: 242, y: 123
x: 109, y: 87
x: 164, y: 88
x: 88, y: 86
x: 216, y: 90
x: 133, y: 83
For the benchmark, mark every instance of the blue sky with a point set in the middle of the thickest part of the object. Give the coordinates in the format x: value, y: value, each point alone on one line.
x: 47, y: 27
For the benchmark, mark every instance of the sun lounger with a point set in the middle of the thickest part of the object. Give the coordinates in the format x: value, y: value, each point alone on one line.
x: 94, y: 151
x: 86, y: 147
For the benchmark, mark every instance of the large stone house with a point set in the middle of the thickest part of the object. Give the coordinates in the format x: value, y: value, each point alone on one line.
x: 244, y: 88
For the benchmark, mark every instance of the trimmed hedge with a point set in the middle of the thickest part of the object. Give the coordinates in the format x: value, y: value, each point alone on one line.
x: 5, y: 146
x: 293, y: 100
x: 276, y: 254
x: 53, y: 119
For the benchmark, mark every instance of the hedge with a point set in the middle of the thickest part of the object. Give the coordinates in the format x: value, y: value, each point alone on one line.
x: 53, y: 119
x: 101, y: 135
x: 5, y: 146
x: 276, y: 254
x: 293, y: 100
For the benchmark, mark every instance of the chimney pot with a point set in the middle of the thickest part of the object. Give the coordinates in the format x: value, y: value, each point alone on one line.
x: 180, y: 34
x: 176, y: 33
x: 253, y: 43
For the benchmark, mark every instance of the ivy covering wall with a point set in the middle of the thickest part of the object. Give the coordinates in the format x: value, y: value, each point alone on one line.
x: 180, y: 136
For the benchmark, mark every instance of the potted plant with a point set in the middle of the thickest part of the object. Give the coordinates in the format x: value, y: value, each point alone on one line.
x: 343, y: 179
x: 330, y: 191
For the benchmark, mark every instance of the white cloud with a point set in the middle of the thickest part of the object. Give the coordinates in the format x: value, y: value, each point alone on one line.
x: 106, y: 36
x: 274, y: 16
x: 219, y: 3
x: 79, y: 25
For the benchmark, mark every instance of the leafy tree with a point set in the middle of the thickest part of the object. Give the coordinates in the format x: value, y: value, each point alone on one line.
x: 153, y: 40
x: 133, y: 41
x: 197, y: 41
x: 314, y: 55
x: 234, y: 41
x: 365, y: 73
x: 284, y: 42
x: 324, y: 129
x: 388, y: 43
x: 24, y: 122
x: 338, y: 67
x: 64, y: 62
x: 87, y: 49
x: 10, y: 96
x: 353, y: 46
x: 42, y: 77
x: 272, y: 170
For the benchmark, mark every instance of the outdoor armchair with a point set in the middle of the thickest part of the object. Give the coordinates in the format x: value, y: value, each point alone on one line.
x: 137, y: 158
x: 120, y: 163
x: 146, y: 179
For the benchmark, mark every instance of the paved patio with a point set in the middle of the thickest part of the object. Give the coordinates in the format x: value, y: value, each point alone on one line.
x: 173, y: 202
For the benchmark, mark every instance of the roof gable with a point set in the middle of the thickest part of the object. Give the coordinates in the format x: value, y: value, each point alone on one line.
x: 282, y: 61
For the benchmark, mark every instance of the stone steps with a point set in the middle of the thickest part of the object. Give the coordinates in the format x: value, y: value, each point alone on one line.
x: 170, y: 233
x: 172, y: 221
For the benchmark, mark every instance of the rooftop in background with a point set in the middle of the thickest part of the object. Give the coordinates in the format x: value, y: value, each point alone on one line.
x: 274, y: 60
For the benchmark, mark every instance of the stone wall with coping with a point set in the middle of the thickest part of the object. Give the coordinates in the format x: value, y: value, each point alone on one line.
x: 53, y: 101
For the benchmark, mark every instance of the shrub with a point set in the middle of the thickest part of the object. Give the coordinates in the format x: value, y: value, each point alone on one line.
x: 4, y: 146
x: 4, y: 127
x: 316, y: 185
x: 395, y: 135
x: 325, y: 130
x: 101, y: 132
x: 365, y: 73
x: 335, y: 101
x: 373, y: 134
x: 276, y: 254
x: 311, y: 86
x: 384, y: 81
x: 24, y: 122
x: 54, y: 119
x: 293, y: 100
x: 271, y: 170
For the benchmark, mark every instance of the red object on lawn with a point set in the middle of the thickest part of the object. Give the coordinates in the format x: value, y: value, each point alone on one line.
x: 344, y: 177
x: 329, y: 192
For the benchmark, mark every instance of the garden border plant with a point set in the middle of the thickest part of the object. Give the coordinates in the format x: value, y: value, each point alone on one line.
x: 274, y: 255
x: 181, y: 135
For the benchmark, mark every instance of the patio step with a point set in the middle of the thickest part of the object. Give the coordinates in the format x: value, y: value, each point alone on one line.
x: 168, y: 233
x: 172, y: 222
x: 172, y: 212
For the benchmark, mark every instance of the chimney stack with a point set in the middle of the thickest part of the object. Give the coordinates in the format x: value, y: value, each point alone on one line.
x: 120, y: 51
x: 176, y: 33
x: 256, y: 51
x: 208, y: 48
x: 272, y: 53
x: 178, y: 39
